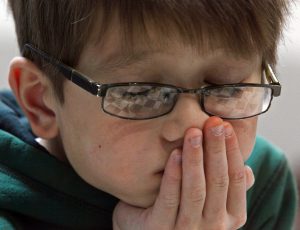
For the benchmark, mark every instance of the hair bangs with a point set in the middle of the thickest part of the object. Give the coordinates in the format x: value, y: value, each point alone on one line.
x: 243, y: 28
x: 63, y: 28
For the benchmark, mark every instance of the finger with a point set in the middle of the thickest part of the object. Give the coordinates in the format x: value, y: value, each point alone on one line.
x: 216, y: 170
x: 165, y: 208
x: 250, y: 179
x: 236, y: 199
x: 193, y: 180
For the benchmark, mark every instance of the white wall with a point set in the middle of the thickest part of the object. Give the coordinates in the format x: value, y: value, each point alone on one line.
x: 8, y: 42
x: 281, y: 124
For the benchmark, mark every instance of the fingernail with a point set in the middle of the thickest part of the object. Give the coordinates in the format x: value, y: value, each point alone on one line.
x: 217, y: 130
x: 196, y: 141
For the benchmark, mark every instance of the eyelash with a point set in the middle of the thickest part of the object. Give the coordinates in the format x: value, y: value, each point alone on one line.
x: 223, y: 83
x: 133, y: 94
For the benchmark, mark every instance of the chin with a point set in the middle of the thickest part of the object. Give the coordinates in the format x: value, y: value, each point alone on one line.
x: 142, y: 201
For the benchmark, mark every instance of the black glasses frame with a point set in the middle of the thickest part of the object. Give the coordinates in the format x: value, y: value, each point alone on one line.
x: 100, y: 90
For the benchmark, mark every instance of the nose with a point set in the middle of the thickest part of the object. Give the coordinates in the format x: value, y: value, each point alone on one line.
x: 187, y: 113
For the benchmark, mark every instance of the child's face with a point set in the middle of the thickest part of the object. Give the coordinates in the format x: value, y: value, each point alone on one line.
x: 127, y: 157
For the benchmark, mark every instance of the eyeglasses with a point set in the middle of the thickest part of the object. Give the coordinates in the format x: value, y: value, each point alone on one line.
x: 144, y: 100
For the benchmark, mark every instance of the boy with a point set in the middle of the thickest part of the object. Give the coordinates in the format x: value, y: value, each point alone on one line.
x: 180, y: 85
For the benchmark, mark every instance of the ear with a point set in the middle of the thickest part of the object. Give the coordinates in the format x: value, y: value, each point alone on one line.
x: 33, y: 93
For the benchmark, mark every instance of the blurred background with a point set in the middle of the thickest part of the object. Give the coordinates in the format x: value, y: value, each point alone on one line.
x: 281, y: 125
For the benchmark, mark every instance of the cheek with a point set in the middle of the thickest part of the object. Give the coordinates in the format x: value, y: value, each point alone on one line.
x: 96, y: 150
x: 104, y: 162
x: 114, y: 157
x: 246, y: 132
x: 120, y: 168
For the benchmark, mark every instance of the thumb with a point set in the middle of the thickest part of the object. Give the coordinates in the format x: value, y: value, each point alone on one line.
x: 126, y: 216
x: 249, y: 177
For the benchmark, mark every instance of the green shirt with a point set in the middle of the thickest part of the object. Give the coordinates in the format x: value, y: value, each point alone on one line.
x: 273, y: 199
x: 37, y: 191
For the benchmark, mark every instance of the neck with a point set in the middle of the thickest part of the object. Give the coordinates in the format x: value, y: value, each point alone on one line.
x: 54, y: 147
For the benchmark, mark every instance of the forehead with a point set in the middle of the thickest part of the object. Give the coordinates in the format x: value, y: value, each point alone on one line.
x: 134, y: 30
x: 112, y: 51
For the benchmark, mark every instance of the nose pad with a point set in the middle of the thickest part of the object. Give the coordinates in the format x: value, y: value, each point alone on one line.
x: 187, y: 113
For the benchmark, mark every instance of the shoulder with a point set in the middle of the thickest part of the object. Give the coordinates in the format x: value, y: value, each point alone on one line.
x: 9, y: 102
x: 266, y: 157
x: 273, y: 198
x: 269, y: 164
x: 13, y: 120
x: 7, y: 221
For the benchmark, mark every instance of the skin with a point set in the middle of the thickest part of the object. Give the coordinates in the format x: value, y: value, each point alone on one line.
x: 150, y: 164
x: 197, y: 193
x: 137, y: 149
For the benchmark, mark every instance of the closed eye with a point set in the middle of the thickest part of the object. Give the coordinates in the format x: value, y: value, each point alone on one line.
x: 233, y: 92
x: 134, y: 94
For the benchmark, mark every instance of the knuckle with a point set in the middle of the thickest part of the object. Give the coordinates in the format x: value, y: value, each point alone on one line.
x: 197, y: 195
x: 233, y: 148
x: 218, y: 150
x: 196, y: 162
x: 221, y: 181
x: 172, y: 179
x: 170, y: 200
x: 237, y: 177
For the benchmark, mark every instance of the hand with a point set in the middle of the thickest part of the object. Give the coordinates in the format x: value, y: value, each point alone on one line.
x: 203, y: 187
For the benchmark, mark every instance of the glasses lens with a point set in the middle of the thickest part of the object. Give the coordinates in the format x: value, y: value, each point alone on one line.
x: 234, y: 102
x: 139, y: 101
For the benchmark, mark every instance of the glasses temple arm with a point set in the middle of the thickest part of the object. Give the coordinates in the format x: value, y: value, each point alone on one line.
x: 272, y: 79
x: 68, y: 72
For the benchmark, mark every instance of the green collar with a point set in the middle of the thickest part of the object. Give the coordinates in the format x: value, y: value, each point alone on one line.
x: 38, y: 185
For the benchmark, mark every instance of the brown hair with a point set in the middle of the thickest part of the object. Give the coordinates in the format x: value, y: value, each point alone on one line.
x: 63, y: 27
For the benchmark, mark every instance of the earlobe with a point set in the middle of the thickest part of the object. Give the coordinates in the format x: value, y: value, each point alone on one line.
x: 33, y: 93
